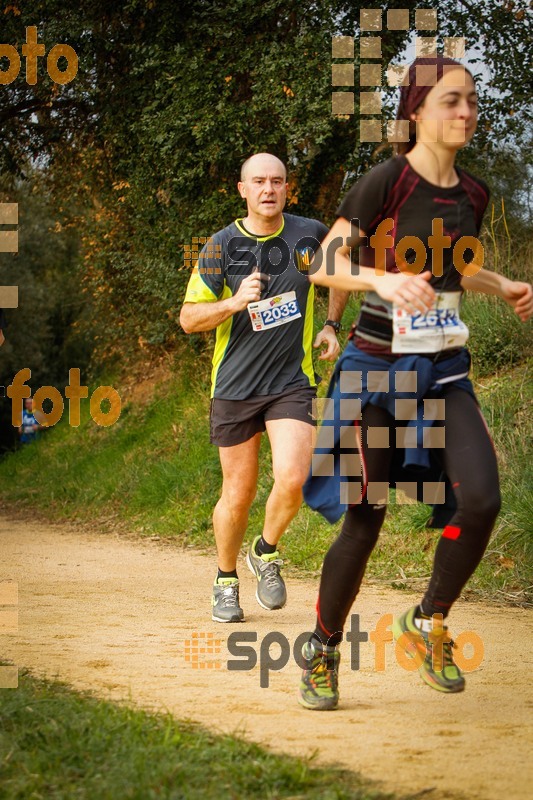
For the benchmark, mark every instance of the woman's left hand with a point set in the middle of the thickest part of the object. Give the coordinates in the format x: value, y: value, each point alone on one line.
x: 519, y: 295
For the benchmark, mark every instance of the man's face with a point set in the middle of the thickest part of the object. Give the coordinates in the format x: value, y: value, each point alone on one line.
x: 28, y: 404
x: 264, y: 187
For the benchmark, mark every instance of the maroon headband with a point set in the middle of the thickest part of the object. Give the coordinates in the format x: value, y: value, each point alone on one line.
x: 413, y: 95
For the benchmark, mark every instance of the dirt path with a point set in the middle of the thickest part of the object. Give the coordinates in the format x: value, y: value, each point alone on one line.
x: 114, y: 616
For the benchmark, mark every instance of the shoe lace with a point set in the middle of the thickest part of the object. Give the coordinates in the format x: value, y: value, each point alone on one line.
x: 270, y: 571
x: 230, y: 596
x: 447, y: 653
x: 442, y: 644
x: 323, y: 674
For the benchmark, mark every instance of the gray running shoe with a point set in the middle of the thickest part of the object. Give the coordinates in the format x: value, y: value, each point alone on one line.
x: 225, y: 601
x: 271, y: 592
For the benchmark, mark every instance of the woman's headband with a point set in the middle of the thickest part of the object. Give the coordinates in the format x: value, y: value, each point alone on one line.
x: 424, y: 73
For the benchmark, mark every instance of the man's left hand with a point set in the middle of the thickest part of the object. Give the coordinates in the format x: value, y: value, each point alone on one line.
x: 327, y: 337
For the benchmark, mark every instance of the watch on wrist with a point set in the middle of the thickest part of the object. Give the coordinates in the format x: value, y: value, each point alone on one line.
x: 335, y: 325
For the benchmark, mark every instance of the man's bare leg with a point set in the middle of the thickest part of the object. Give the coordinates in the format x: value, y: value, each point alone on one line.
x: 291, y: 441
x: 240, y: 468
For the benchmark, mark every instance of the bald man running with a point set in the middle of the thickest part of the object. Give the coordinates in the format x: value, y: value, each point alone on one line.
x: 251, y: 285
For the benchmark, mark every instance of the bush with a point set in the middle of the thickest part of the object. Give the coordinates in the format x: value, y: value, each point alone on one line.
x: 498, y: 339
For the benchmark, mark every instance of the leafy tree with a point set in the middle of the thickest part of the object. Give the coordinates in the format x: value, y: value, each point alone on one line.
x: 141, y: 151
x: 44, y: 333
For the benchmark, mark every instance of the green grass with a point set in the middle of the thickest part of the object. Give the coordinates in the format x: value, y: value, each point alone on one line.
x: 499, y: 340
x: 155, y: 471
x: 62, y: 745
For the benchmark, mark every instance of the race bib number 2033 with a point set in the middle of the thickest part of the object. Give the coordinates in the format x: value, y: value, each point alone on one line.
x: 274, y: 311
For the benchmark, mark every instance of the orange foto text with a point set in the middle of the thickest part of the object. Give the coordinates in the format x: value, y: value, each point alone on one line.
x: 75, y: 392
x: 33, y: 50
x: 438, y: 242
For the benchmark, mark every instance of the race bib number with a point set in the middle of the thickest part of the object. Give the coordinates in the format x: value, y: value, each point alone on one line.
x: 274, y: 311
x: 439, y: 328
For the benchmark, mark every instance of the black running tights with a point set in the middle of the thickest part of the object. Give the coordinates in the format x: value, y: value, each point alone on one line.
x: 469, y: 460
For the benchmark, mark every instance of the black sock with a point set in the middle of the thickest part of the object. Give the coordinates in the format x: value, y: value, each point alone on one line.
x: 316, y: 640
x: 222, y: 574
x: 263, y: 548
x: 331, y: 643
x: 420, y: 613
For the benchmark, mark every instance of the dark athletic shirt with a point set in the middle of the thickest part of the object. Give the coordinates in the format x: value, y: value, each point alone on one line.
x: 250, y: 363
x: 394, y: 190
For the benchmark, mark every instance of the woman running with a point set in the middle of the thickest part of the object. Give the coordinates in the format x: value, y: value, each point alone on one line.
x: 407, y: 368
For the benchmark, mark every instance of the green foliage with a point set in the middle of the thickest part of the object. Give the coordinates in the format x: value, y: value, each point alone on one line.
x: 506, y: 400
x: 142, y: 149
x: 44, y: 333
x: 41, y: 332
x: 498, y: 339
x: 259, y: 80
x: 60, y: 744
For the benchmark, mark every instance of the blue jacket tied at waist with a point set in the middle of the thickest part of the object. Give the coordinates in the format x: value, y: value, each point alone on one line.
x: 369, y: 379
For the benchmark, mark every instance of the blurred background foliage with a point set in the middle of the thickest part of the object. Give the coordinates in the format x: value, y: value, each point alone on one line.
x: 117, y: 170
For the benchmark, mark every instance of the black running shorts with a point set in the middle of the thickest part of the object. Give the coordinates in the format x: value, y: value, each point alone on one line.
x: 235, y: 421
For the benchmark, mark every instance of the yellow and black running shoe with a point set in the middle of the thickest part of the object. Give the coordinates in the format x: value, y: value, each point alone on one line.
x: 319, y: 685
x: 433, y: 648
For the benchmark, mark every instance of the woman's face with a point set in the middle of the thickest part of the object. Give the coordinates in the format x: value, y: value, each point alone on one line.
x: 449, y: 112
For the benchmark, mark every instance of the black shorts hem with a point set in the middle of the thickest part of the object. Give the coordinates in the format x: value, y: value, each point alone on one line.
x: 234, y: 422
